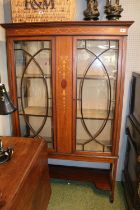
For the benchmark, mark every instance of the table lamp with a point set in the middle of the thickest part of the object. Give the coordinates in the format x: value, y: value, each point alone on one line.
x: 6, y: 107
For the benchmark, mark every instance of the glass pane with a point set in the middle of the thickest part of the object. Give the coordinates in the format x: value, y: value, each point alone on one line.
x: 96, y: 90
x: 34, y: 88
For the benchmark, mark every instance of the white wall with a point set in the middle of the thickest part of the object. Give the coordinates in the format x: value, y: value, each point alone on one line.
x: 131, y: 12
x: 2, y: 34
x: 4, y: 120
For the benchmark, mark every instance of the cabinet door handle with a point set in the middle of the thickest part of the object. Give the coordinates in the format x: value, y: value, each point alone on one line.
x: 64, y: 84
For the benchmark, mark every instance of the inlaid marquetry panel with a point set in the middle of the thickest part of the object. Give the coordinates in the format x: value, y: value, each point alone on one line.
x: 64, y: 93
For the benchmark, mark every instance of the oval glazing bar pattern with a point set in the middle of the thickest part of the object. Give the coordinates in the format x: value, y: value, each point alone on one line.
x: 33, y: 69
x: 96, y: 108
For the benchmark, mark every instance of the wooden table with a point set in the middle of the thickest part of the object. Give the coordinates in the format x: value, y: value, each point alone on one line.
x: 24, y: 180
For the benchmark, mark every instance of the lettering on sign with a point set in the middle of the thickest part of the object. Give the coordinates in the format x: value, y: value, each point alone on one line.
x: 38, y: 4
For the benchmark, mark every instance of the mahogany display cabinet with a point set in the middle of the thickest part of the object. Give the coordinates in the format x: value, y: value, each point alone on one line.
x: 66, y: 78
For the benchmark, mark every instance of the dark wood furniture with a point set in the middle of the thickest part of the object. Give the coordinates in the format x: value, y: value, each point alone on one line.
x: 66, y: 78
x: 24, y: 180
x: 131, y: 173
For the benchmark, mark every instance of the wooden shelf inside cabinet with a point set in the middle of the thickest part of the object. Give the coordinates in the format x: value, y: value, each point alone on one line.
x: 106, y: 147
x: 94, y: 114
x: 32, y: 76
x: 95, y: 77
x: 36, y: 111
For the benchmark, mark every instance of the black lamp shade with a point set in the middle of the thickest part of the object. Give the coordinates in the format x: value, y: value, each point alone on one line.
x: 6, y: 105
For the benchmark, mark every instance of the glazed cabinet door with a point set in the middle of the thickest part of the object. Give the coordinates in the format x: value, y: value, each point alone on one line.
x: 34, y: 73
x: 95, y: 93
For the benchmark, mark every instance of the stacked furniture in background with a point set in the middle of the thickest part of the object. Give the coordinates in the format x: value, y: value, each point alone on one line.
x: 131, y: 173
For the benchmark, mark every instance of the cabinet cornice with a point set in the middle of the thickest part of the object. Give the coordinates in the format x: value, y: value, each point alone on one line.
x: 119, y: 28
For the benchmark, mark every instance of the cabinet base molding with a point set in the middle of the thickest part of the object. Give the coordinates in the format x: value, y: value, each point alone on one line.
x: 99, y: 177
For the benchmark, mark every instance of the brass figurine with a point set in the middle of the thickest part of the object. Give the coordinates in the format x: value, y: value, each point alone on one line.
x: 91, y: 13
x: 113, y: 11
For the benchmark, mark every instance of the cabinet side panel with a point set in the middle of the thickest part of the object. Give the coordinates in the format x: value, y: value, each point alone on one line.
x: 64, y: 93
x: 12, y: 85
